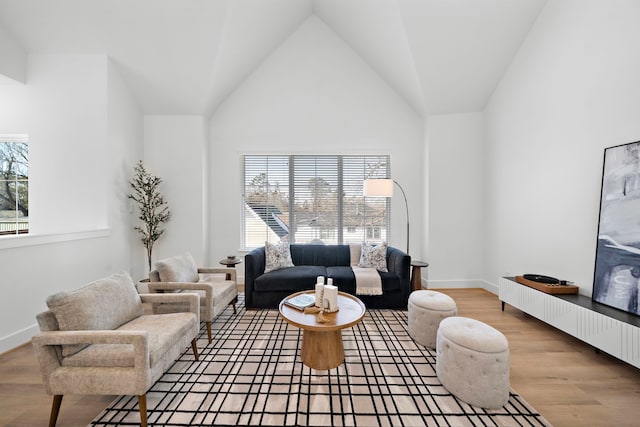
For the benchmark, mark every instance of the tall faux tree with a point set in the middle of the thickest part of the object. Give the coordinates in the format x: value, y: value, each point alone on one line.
x: 154, y: 210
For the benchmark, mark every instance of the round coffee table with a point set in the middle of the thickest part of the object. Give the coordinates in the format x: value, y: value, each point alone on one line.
x: 322, y: 346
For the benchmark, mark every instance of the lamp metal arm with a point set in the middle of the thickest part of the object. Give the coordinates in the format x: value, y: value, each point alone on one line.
x: 406, y: 205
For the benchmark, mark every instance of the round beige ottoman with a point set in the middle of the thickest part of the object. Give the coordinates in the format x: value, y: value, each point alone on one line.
x: 472, y: 362
x: 426, y: 311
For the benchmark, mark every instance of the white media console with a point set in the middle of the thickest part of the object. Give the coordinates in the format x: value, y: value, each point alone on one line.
x: 605, y: 328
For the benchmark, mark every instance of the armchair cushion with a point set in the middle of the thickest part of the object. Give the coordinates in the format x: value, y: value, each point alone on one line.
x: 104, y: 304
x: 214, y: 294
x: 181, y: 268
x: 160, y: 330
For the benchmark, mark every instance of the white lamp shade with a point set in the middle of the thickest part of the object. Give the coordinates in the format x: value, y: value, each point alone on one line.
x: 378, y: 187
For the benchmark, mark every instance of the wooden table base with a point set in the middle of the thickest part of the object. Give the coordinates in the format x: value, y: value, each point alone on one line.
x: 322, y: 350
x: 322, y: 346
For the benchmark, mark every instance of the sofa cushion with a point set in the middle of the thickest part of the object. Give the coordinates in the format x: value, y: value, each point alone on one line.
x: 343, y: 278
x: 104, y: 304
x: 277, y: 256
x: 324, y: 255
x: 296, y: 278
x: 390, y: 281
x: 374, y: 257
x: 222, y: 290
x: 163, y: 330
x: 181, y: 268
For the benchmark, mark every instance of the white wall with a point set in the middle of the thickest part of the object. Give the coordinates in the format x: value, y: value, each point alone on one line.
x: 124, y: 148
x: 13, y: 108
x: 571, y: 91
x: 455, y: 233
x: 174, y: 151
x: 313, y: 95
x: 36, y: 266
x: 14, y: 59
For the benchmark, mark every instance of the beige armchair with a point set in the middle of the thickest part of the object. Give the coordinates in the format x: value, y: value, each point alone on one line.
x: 216, y: 286
x: 97, y: 340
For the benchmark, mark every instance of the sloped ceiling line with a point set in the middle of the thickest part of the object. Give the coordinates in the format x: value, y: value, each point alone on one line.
x: 440, y: 56
x: 375, y: 31
x: 252, y: 31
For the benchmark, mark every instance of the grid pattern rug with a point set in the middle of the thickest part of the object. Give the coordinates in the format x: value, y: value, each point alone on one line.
x: 251, y: 374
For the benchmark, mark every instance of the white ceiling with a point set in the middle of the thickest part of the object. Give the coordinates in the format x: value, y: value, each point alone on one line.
x: 187, y: 56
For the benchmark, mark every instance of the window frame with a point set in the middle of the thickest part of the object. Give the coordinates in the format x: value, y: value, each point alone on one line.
x: 346, y: 175
x: 18, y: 231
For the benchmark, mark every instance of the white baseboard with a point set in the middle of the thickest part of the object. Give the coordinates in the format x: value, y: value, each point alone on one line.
x: 460, y: 284
x: 18, y: 338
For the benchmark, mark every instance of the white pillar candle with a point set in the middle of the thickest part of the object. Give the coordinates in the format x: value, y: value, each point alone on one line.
x: 330, y: 298
x: 319, y: 294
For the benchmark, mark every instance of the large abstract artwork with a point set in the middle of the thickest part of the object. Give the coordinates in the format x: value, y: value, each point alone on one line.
x: 617, y: 270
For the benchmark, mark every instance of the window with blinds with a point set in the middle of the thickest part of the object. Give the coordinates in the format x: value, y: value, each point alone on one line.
x: 312, y: 199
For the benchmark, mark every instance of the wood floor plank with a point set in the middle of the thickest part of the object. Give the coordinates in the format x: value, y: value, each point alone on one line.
x: 563, y: 378
x: 568, y: 382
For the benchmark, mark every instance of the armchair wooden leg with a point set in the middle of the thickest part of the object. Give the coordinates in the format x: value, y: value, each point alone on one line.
x: 142, y: 404
x: 194, y: 347
x: 55, y: 410
x: 234, y: 302
x: 209, y: 331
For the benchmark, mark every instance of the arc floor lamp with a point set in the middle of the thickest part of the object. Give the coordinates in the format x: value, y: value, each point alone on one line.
x: 384, y: 188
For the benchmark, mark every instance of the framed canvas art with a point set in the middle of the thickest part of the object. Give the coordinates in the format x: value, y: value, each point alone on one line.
x: 617, y: 269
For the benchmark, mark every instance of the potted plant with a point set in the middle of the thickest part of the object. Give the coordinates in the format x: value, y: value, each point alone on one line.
x: 154, y: 210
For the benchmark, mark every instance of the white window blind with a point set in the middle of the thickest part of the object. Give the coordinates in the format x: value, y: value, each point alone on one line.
x: 306, y: 199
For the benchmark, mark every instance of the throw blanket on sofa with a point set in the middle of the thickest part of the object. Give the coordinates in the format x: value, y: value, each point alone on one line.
x: 368, y: 281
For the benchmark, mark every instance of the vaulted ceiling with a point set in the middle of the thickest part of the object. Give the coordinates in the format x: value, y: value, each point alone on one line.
x: 187, y: 56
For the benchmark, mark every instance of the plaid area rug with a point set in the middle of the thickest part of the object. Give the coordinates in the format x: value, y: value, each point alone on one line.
x: 251, y: 374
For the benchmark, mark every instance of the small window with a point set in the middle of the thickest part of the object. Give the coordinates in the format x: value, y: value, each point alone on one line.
x: 14, y: 185
x: 373, y: 233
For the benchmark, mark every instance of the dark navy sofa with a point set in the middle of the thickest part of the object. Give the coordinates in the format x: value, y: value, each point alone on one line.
x: 266, y: 290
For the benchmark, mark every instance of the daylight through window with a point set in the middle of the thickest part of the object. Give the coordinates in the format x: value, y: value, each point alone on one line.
x: 313, y: 199
x: 14, y: 185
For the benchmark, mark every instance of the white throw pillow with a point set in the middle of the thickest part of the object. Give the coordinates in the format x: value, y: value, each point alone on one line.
x: 374, y: 257
x: 277, y: 256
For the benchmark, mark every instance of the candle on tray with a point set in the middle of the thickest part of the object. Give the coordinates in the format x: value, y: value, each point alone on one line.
x: 330, y: 298
x: 319, y: 293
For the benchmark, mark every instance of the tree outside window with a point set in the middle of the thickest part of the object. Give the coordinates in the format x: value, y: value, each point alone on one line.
x: 313, y: 199
x: 14, y: 185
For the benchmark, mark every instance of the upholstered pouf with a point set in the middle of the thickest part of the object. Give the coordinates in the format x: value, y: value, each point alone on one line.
x: 472, y: 362
x: 426, y: 311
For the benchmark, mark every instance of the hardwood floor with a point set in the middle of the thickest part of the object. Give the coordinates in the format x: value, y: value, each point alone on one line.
x: 564, y: 379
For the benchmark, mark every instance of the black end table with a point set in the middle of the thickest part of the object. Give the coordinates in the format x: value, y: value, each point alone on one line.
x: 230, y: 262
